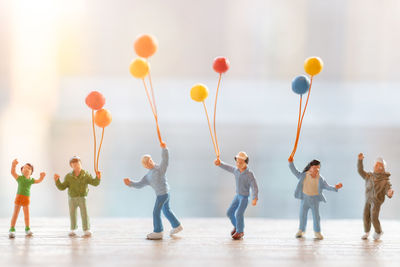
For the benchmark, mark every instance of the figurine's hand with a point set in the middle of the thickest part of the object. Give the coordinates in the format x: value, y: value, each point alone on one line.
x: 15, y: 162
x: 339, y: 185
x: 390, y: 193
x: 290, y: 159
x: 360, y: 156
x: 56, y: 177
x: 217, y: 162
x: 163, y: 145
x: 254, y: 202
x: 127, y: 181
x: 98, y: 174
x: 42, y: 175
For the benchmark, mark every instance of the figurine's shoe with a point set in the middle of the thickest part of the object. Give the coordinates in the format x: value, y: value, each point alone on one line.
x: 237, y: 236
x: 155, y: 236
x: 72, y: 233
x: 87, y: 233
x: 300, y: 234
x: 318, y: 236
x: 365, y: 236
x: 28, y: 232
x: 11, y: 233
x: 233, y: 231
x: 377, y: 236
x: 176, y: 230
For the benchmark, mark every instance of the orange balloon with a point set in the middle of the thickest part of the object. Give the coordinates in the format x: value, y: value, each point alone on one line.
x: 145, y: 45
x: 95, y: 100
x: 102, y: 118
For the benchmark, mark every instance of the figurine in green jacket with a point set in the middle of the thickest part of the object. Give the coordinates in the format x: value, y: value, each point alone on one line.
x: 77, y: 183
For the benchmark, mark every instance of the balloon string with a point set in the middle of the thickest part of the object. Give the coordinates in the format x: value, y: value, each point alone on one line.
x: 94, y: 141
x: 209, y: 127
x: 308, y: 97
x: 215, y: 111
x: 98, y: 153
x: 297, y: 132
x: 300, y: 122
x: 153, y: 110
x: 152, y: 93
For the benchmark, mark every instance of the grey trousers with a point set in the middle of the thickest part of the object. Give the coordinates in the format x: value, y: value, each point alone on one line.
x: 371, y: 214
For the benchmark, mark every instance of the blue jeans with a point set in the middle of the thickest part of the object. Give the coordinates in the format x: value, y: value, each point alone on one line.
x: 236, y: 212
x: 309, y: 202
x: 162, y: 203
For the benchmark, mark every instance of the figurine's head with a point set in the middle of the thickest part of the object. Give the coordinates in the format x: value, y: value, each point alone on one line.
x: 380, y: 165
x: 148, y: 162
x: 27, y: 170
x: 242, y: 160
x: 75, y: 163
x: 313, y: 168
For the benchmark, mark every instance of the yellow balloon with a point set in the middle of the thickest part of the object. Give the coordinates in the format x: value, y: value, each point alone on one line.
x: 199, y: 92
x: 313, y: 65
x: 139, y: 68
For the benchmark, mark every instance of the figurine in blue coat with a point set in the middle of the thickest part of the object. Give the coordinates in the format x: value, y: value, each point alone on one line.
x: 309, y: 191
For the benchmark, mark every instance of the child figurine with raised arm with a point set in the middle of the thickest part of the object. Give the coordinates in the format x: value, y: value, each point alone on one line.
x: 156, y: 178
x: 244, y: 181
x: 23, y: 194
x: 309, y: 191
x: 377, y: 186
x: 77, y: 182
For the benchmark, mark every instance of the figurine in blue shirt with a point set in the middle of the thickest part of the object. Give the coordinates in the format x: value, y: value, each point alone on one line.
x: 155, y: 178
x: 244, y: 181
x: 309, y: 190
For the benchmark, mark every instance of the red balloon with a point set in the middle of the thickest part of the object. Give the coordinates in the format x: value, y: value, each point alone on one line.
x: 221, y: 64
x: 95, y: 100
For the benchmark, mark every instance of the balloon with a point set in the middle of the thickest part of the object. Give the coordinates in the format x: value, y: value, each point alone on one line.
x: 102, y: 118
x: 139, y: 68
x: 300, y: 84
x: 145, y: 45
x: 199, y: 92
x: 221, y: 64
x: 95, y: 100
x: 313, y: 65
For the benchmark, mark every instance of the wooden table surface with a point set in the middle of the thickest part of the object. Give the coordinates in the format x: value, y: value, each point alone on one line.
x: 204, y: 242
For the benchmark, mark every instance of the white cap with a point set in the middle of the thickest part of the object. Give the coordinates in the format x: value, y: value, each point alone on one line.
x: 242, y: 155
x: 74, y: 158
x: 381, y: 160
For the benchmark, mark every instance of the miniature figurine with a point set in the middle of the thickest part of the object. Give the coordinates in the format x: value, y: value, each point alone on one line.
x: 309, y: 190
x: 244, y: 181
x: 377, y: 186
x: 77, y: 182
x: 156, y: 178
x: 23, y: 195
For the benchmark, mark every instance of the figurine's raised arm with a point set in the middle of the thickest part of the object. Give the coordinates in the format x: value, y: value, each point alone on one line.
x: 360, y: 167
x: 224, y: 166
x: 294, y: 170
x: 61, y: 185
x: 13, y: 166
x: 164, y: 158
x: 42, y: 175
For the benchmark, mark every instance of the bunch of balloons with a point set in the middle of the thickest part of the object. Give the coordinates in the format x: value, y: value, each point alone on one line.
x: 145, y: 46
x: 301, y: 85
x: 102, y: 118
x: 199, y: 93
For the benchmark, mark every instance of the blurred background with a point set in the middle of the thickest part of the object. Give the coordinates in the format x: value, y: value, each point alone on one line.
x: 53, y: 53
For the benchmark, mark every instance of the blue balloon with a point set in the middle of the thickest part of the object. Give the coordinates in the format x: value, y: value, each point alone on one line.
x: 300, y: 84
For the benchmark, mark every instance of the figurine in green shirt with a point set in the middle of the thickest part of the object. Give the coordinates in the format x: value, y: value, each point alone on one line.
x: 77, y: 183
x: 23, y: 194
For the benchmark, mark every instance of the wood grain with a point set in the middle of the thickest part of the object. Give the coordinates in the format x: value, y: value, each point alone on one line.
x: 204, y: 242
